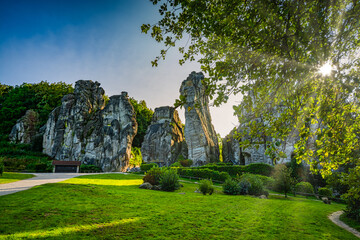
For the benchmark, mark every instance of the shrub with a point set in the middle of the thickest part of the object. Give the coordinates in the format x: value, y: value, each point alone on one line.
x: 304, y: 187
x: 1, y: 167
x: 325, y: 192
x: 259, y: 168
x: 206, y: 186
x: 256, y: 185
x: 268, y: 182
x: 153, y: 176
x: 89, y: 168
x: 147, y: 166
x: 231, y: 187
x: 283, y: 180
x: 245, y: 186
x: 176, y: 164
x: 186, y: 162
x: 169, y: 180
x: 136, y: 157
x: 203, y: 173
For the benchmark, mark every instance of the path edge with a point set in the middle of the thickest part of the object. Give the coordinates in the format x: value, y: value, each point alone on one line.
x: 335, y: 218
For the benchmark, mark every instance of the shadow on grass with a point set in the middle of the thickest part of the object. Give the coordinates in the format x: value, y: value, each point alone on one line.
x: 61, y: 232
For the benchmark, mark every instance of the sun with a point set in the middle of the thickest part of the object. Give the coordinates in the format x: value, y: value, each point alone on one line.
x: 326, y: 69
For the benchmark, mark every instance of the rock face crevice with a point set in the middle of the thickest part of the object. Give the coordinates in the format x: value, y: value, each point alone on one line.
x: 164, y: 139
x: 84, y: 129
x: 200, y: 135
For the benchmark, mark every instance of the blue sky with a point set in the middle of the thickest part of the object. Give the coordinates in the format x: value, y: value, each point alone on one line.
x: 63, y: 40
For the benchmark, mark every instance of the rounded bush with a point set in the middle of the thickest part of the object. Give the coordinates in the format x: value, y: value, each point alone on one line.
x: 223, y: 176
x: 206, y: 186
x: 256, y: 185
x: 186, y: 162
x: 325, y: 192
x: 176, y: 164
x: 304, y: 187
x: 231, y: 187
x: 153, y: 176
x: 169, y: 180
x: 147, y: 166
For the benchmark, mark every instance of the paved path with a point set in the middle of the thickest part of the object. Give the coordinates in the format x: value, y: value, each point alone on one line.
x: 334, y: 217
x: 39, y: 179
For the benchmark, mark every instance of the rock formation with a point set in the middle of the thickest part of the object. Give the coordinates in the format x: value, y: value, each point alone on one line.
x: 84, y: 129
x: 25, y: 128
x: 200, y: 135
x: 164, y: 139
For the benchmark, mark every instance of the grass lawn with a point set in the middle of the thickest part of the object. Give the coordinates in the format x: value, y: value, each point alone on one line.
x: 351, y: 222
x: 112, y: 206
x: 9, y: 177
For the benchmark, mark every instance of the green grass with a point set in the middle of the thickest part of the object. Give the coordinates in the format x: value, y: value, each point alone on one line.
x: 110, y: 206
x: 9, y: 177
x: 351, y: 222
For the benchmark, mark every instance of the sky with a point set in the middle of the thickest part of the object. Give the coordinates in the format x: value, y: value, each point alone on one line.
x: 63, y: 40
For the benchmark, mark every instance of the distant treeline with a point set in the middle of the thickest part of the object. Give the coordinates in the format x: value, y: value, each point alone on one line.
x: 43, y: 97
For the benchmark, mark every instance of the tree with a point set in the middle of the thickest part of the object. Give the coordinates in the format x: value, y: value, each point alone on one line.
x: 143, y: 118
x: 283, y: 180
x: 279, y: 50
x: 42, y: 97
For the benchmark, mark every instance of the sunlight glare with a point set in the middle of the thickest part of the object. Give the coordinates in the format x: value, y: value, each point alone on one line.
x: 326, y: 69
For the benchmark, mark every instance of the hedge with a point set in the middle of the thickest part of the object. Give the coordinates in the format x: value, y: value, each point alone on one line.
x: 147, y: 166
x: 254, y: 168
x: 203, y: 173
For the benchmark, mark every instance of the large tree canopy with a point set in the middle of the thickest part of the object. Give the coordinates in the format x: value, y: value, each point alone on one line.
x: 277, y: 50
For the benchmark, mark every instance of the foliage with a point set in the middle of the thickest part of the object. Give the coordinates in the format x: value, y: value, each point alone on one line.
x: 147, y: 166
x: 176, y: 164
x: 1, y: 166
x: 186, y: 162
x: 276, y: 49
x: 268, y: 182
x: 232, y: 187
x: 143, y: 119
x: 20, y: 157
x: 153, y: 176
x: 136, y: 158
x: 42, y: 97
x: 325, y: 192
x: 89, y: 168
x: 204, y: 174
x: 169, y: 180
x: 255, y: 186
x: 233, y: 170
x: 283, y: 180
x: 206, y: 186
x: 304, y: 187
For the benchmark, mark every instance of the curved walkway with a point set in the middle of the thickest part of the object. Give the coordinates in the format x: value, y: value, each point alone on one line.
x: 39, y: 179
x: 335, y: 218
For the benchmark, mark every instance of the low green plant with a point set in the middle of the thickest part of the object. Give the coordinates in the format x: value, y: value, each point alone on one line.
x: 304, y: 187
x: 231, y: 187
x: 89, y: 168
x: 325, y: 192
x: 204, y: 173
x: 136, y: 157
x: 153, y: 176
x: 176, y: 164
x: 1, y: 167
x: 186, y: 162
x: 206, y: 186
x: 169, y: 180
x: 147, y: 166
x: 256, y: 185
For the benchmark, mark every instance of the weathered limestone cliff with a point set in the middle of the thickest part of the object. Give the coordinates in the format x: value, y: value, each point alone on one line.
x: 84, y: 129
x: 164, y: 140
x: 200, y: 135
x: 25, y: 128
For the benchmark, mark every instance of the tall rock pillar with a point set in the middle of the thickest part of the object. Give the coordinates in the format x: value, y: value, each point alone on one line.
x: 200, y: 135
